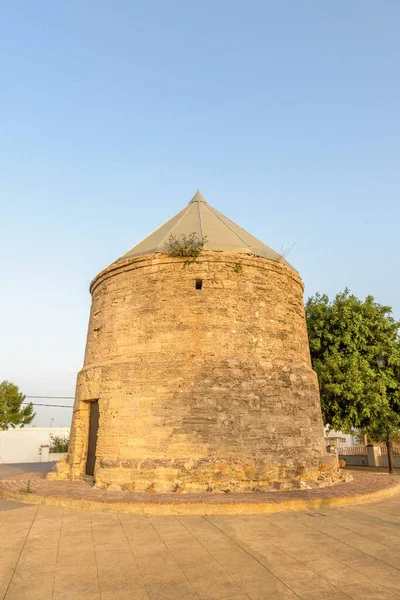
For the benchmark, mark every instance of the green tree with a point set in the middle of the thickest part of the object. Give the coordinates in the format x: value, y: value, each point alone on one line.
x: 346, y: 335
x: 373, y: 436
x: 12, y: 413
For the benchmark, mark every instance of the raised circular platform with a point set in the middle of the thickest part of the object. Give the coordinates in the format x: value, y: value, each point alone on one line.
x: 365, y: 487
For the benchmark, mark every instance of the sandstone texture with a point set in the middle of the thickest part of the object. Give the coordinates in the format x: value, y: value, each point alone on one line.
x: 199, y: 390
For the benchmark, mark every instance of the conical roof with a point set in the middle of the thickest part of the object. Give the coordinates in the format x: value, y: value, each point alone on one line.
x: 221, y: 234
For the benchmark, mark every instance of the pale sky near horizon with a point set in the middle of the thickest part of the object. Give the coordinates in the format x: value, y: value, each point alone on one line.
x: 285, y: 115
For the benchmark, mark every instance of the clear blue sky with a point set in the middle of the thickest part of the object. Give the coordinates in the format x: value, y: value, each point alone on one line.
x: 285, y: 114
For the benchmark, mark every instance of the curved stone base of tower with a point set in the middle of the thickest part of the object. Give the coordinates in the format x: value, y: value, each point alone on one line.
x: 202, y: 377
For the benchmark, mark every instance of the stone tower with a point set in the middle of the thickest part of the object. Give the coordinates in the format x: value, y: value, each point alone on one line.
x: 197, y: 374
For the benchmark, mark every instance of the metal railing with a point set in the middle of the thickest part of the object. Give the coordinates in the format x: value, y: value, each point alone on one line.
x: 396, y: 449
x: 362, y: 450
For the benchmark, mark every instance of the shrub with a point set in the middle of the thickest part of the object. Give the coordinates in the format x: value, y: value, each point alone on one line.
x: 187, y: 246
x: 58, y: 443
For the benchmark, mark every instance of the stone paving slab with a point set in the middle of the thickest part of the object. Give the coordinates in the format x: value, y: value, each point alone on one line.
x: 365, y: 487
x: 52, y: 553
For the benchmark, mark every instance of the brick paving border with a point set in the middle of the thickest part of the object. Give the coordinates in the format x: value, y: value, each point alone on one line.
x: 365, y: 487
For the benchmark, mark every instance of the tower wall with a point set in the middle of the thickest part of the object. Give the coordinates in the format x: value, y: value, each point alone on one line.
x: 199, y: 390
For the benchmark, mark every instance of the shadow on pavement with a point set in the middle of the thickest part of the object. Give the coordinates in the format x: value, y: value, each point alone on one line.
x: 8, y: 470
x: 370, y: 469
x: 11, y: 505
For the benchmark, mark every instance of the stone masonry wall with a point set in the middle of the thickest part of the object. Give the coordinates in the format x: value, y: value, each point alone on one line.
x: 198, y: 390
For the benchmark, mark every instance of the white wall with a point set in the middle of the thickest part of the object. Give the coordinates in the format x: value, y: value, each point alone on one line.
x: 355, y: 459
x: 22, y: 445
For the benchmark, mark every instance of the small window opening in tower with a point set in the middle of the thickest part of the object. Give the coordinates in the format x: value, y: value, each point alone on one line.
x: 199, y: 284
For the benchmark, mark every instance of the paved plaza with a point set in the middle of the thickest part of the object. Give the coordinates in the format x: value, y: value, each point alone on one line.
x: 34, y: 488
x: 55, y: 553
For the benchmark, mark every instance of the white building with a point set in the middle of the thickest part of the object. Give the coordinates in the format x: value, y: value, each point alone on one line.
x: 340, y: 439
x: 22, y: 445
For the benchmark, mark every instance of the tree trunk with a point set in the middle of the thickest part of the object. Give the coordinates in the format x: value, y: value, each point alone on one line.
x: 389, y: 447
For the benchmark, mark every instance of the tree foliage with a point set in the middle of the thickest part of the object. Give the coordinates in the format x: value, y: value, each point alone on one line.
x: 12, y: 413
x: 345, y: 337
x: 377, y: 433
x: 376, y: 437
